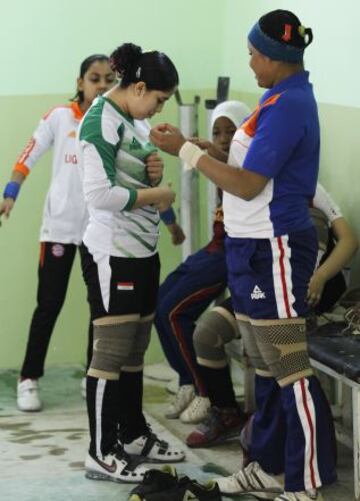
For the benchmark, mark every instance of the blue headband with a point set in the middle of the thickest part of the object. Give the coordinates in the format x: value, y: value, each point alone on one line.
x: 273, y: 49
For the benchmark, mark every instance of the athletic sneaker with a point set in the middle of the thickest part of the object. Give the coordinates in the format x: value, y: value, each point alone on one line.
x: 149, y: 448
x: 300, y: 496
x: 220, y: 425
x: 183, y: 397
x: 187, y: 489
x: 116, y: 466
x: 251, y: 480
x: 83, y: 387
x: 196, y: 411
x: 28, y: 399
x: 155, y: 481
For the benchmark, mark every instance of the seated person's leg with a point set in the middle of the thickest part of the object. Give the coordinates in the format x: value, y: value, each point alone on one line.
x: 225, y: 419
x: 180, y: 309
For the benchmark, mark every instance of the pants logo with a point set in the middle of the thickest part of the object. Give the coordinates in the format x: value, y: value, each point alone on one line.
x: 257, y: 293
x: 111, y: 468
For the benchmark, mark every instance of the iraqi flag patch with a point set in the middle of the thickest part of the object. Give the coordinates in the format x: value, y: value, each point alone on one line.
x: 125, y: 286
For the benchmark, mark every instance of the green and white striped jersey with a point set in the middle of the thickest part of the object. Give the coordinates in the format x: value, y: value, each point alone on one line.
x: 113, y: 148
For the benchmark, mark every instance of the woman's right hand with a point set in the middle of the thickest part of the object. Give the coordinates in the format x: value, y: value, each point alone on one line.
x: 6, y: 206
x: 212, y: 150
x: 166, y: 197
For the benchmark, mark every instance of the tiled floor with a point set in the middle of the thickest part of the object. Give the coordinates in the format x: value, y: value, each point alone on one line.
x: 42, y: 454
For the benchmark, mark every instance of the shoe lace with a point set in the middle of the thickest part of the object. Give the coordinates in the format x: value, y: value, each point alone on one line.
x: 180, y: 395
x: 352, y: 317
x: 211, y: 420
x: 195, y: 404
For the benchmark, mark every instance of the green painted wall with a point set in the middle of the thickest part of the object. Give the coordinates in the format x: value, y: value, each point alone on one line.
x: 331, y: 58
x: 43, y: 42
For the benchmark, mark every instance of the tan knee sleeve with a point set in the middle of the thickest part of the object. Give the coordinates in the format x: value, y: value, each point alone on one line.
x: 113, y: 341
x: 250, y: 345
x: 135, y: 360
x: 282, y: 344
x: 213, y: 330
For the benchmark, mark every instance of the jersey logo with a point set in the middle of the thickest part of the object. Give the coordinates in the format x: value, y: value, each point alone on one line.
x: 111, y: 468
x: 125, y: 286
x: 70, y: 158
x: 72, y: 133
x: 287, y: 32
x: 257, y: 293
x: 135, y: 145
x: 57, y: 250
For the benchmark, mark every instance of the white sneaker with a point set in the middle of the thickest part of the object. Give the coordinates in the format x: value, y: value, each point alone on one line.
x: 149, y: 448
x: 300, y: 496
x: 251, y: 480
x: 183, y: 397
x: 115, y: 467
x: 83, y: 387
x: 196, y: 411
x: 28, y: 399
x: 173, y: 386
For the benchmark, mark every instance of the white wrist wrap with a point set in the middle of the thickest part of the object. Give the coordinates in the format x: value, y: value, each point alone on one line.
x: 190, y: 153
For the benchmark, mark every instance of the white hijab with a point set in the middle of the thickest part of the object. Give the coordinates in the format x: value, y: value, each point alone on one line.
x: 233, y: 110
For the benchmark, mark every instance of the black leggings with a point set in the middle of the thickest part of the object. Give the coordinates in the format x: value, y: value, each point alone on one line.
x: 56, y: 261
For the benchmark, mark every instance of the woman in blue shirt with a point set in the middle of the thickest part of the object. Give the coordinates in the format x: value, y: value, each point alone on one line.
x: 271, y: 249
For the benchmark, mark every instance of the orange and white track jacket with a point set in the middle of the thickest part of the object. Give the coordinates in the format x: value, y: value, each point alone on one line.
x: 65, y: 215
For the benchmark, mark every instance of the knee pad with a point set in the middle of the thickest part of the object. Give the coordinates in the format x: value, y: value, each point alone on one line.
x: 282, y: 344
x: 251, y: 350
x: 135, y: 360
x: 212, y: 331
x: 113, y: 341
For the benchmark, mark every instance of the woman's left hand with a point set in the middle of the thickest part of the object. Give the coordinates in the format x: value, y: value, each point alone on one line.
x: 155, y: 168
x: 316, y: 287
x: 176, y: 232
x: 167, y: 137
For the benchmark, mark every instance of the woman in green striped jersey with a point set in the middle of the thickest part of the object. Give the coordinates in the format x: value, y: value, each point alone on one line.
x: 120, y: 260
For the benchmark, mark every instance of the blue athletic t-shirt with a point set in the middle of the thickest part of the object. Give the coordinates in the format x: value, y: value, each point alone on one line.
x: 280, y: 140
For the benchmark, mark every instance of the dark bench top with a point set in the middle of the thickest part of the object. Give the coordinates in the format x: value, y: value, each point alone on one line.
x: 329, y: 346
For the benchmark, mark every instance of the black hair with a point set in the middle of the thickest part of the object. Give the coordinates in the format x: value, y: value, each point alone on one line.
x: 285, y: 27
x: 153, y: 67
x: 85, y: 65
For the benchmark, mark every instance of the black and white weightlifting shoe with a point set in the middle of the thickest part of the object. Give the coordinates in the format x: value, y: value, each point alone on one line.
x: 116, y: 466
x: 149, y: 448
